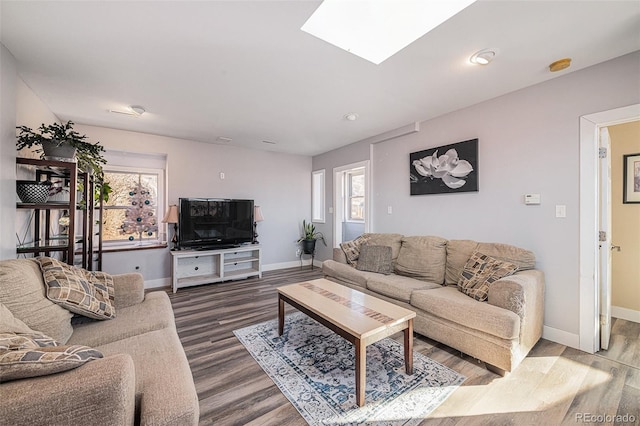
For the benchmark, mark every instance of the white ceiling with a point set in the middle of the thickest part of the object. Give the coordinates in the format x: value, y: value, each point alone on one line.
x: 244, y: 69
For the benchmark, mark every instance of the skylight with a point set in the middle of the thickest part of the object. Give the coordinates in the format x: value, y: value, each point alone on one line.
x: 377, y: 29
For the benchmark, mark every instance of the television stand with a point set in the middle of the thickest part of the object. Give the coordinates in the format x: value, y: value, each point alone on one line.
x: 196, y: 267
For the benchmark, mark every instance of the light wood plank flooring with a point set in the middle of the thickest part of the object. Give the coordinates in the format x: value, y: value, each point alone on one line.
x: 554, y: 385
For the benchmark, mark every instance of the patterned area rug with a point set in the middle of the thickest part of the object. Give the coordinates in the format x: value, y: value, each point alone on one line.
x: 314, y: 368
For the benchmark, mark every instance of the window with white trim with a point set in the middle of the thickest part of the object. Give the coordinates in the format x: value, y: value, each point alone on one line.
x: 317, y: 196
x: 126, y: 173
x: 355, y: 195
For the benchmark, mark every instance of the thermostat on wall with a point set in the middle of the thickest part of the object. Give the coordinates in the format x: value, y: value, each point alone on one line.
x: 531, y: 199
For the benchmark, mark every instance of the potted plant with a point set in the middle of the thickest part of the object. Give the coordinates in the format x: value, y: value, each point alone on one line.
x: 60, y: 141
x: 309, y: 237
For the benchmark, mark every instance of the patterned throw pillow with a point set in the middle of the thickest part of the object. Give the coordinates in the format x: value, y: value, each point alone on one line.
x: 31, y: 355
x: 375, y: 259
x: 86, y: 293
x: 351, y: 249
x: 480, y: 272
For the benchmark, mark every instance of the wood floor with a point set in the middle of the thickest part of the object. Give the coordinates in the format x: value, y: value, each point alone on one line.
x: 554, y: 385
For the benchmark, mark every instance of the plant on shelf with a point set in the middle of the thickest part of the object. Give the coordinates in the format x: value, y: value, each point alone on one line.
x: 309, y: 237
x: 50, y: 138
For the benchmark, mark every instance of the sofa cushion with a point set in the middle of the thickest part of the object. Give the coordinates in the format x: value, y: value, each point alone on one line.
x: 32, y: 355
x: 165, y: 392
x: 459, y: 252
x: 392, y: 240
x: 451, y: 305
x: 397, y: 287
x: 11, y: 324
x: 86, y: 293
x: 480, y: 272
x: 351, y: 249
x: 22, y: 291
x: 154, y: 313
x: 346, y: 273
x: 375, y: 259
x: 423, y: 258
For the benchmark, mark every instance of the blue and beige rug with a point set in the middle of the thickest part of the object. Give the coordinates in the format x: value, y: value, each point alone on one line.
x: 314, y: 368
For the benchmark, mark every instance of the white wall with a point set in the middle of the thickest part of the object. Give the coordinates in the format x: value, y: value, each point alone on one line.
x: 279, y: 183
x: 528, y: 143
x: 8, y: 80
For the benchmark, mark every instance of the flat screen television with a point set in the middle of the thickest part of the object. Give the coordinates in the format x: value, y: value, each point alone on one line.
x: 214, y: 223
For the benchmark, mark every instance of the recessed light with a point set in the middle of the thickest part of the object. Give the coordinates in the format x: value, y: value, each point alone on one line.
x: 352, y: 116
x: 560, y: 65
x: 483, y: 57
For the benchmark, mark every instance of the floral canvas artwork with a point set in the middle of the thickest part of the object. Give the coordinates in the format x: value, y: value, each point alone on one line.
x: 446, y: 169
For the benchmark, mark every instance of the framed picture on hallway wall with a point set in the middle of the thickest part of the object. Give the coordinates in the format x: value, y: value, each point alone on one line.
x: 446, y: 169
x: 631, y: 178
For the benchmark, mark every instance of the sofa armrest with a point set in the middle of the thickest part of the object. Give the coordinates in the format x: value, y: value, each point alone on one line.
x: 339, y: 256
x: 522, y: 293
x: 129, y: 289
x: 100, y: 392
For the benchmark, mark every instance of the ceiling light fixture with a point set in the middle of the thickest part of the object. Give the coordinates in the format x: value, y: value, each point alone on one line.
x: 377, y: 29
x: 224, y: 139
x: 352, y: 116
x: 560, y: 65
x: 483, y: 57
x: 133, y: 110
x: 269, y: 142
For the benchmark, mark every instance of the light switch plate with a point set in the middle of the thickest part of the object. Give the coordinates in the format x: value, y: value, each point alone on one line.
x: 561, y: 210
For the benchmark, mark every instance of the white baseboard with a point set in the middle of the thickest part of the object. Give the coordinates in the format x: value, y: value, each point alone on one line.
x: 159, y: 283
x: 625, y: 314
x: 285, y: 265
x: 560, y: 336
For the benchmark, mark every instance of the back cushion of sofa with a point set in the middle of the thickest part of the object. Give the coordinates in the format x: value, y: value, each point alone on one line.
x: 423, y: 258
x: 22, y: 290
x: 523, y: 259
x: 392, y: 240
x: 459, y: 252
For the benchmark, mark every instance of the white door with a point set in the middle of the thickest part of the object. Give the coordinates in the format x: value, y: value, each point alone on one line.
x: 605, y: 238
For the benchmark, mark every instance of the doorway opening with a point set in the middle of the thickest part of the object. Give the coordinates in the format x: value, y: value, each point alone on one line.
x: 591, y: 216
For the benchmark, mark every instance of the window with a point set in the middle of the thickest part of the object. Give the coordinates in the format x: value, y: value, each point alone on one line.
x: 128, y: 175
x: 124, y: 194
x: 355, y: 195
x: 317, y: 196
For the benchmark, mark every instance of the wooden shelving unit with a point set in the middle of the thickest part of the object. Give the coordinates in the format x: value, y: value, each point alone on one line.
x: 42, y: 242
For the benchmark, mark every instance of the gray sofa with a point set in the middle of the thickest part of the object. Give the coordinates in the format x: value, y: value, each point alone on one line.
x: 143, y: 378
x: 426, y: 271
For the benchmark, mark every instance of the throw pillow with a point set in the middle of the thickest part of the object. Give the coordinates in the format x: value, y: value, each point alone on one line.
x: 351, y: 249
x: 422, y: 258
x: 480, y: 272
x: 32, y: 355
x: 86, y: 293
x: 375, y: 259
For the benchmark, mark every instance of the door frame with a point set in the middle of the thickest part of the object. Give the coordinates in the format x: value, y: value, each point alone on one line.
x: 589, y: 283
x: 338, y: 197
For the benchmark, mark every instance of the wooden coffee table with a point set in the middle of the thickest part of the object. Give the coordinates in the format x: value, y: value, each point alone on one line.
x: 358, y: 317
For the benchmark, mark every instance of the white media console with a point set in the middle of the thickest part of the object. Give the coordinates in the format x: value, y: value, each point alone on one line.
x: 195, y: 267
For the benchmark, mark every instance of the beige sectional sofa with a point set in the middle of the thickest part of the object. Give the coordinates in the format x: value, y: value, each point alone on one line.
x: 143, y: 377
x: 426, y: 272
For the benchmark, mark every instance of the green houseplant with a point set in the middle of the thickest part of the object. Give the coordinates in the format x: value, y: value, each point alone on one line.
x: 49, y: 139
x: 309, y: 237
